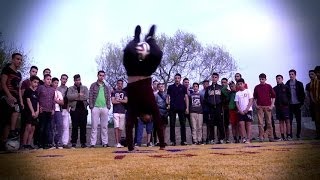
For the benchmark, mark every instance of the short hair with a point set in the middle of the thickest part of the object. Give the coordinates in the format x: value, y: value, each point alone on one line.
x: 64, y: 75
x: 101, y: 71
x: 195, y: 83
x: 224, y: 79
x: 46, y: 70
x: 34, y: 67
x: 15, y: 54
x: 159, y: 84
x: 119, y: 80
x: 238, y: 74
x: 241, y: 80
x: 204, y: 81
x: 46, y: 75
x: 185, y: 79
x: 154, y: 81
x: 215, y: 74
x: 54, y: 79
x: 317, y: 69
x: 279, y: 75
x: 231, y: 83
x: 177, y: 75
x: 294, y: 71
x: 262, y: 75
x: 32, y: 78
x: 76, y: 76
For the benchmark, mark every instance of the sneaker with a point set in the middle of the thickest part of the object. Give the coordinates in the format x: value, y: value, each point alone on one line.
x: 289, y: 138
x: 227, y: 141
x: 92, y: 146
x: 212, y: 142
x: 73, y: 146
x: 183, y: 144
x: 244, y: 140
x: 149, y: 144
x: 84, y: 146
x: 172, y: 144
x: 276, y: 138
x: 220, y: 141
x: 30, y: 147
x: 65, y: 147
x: 13, y: 135
x: 119, y: 145
x: 105, y: 146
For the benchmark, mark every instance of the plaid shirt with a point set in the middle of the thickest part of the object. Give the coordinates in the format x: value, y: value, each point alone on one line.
x: 46, y: 98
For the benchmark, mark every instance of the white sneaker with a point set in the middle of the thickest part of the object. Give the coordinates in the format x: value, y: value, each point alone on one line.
x: 119, y: 145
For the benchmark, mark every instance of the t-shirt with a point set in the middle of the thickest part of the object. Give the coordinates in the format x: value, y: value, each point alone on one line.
x: 34, y: 98
x: 195, y: 103
x: 101, y: 100
x: 13, y: 81
x: 25, y: 84
x: 119, y: 95
x: 177, y: 95
x: 243, y: 98
x: 57, y: 95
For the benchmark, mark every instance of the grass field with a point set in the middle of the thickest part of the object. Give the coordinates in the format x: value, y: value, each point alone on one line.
x: 280, y: 160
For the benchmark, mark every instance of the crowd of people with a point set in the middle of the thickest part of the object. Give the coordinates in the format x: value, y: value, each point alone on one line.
x: 44, y: 108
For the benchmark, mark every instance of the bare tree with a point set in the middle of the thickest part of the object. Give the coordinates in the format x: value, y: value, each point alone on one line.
x: 110, y: 61
x: 179, y: 52
x: 214, y: 58
x: 7, y: 49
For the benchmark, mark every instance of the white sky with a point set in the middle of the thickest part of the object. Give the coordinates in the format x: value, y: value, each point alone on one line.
x: 67, y: 36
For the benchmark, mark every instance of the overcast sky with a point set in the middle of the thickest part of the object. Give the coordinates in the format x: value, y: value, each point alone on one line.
x: 270, y: 36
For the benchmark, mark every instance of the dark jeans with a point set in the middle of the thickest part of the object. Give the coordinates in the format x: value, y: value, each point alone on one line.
x: 79, y: 120
x: 164, y: 119
x: 215, y: 117
x: 296, y: 111
x: 226, y: 122
x: 273, y: 126
x: 172, y: 115
x: 205, y: 121
x: 45, y: 125
x: 57, y: 127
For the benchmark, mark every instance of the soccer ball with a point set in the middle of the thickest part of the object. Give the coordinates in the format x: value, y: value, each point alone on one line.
x: 143, y: 50
x: 12, y: 145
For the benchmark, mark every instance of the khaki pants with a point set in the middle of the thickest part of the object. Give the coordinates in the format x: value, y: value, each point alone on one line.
x: 196, y: 123
x: 262, y: 111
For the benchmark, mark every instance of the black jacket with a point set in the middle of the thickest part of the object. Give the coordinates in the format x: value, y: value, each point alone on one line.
x: 283, y: 96
x: 213, y: 95
x: 299, y: 91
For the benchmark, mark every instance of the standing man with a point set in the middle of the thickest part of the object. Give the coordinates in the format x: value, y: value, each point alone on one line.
x: 315, y: 98
x: 264, y: 98
x: 196, y: 115
x: 78, y: 96
x: 155, y: 86
x: 99, y: 103
x: 205, y: 108
x: 225, y: 105
x: 297, y: 100
x: 186, y: 84
x: 119, y: 99
x: 44, y: 72
x: 161, y: 97
x: 10, y: 105
x: 312, y: 76
x: 178, y: 99
x: 65, y: 111
x: 26, y: 83
x: 282, y: 107
x: 213, y: 98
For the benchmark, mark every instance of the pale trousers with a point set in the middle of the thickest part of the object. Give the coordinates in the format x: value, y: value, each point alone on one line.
x: 196, y: 123
x: 99, y: 114
x: 65, y: 127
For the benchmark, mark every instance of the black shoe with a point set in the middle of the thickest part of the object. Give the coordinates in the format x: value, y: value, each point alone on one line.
x: 172, y: 144
x: 74, y: 146
x: 137, y: 33
x: 227, y: 141
x: 65, y: 147
x: 276, y: 138
x: 30, y: 147
x: 151, y: 32
x: 92, y: 146
x: 183, y: 144
x: 105, y: 145
x: 13, y: 135
x: 84, y: 146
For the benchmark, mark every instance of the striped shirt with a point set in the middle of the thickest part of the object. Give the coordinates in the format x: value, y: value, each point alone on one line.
x: 46, y: 98
x: 315, y: 90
